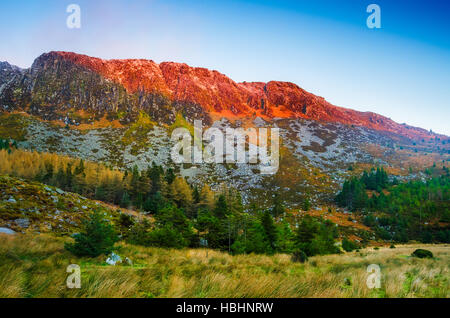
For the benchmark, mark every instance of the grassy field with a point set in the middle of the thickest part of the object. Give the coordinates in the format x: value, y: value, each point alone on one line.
x: 35, y: 266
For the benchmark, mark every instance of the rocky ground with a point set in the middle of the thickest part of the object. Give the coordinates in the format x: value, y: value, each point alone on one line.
x: 31, y: 206
x: 315, y: 157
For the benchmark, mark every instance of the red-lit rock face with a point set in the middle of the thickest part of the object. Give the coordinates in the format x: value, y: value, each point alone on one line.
x: 218, y: 94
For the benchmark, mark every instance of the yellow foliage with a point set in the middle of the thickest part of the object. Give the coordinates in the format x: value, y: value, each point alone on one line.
x: 181, y: 192
x: 28, y: 165
x: 207, y: 196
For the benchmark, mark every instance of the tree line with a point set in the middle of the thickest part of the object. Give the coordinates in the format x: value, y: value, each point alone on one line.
x: 414, y: 210
x: 183, y: 214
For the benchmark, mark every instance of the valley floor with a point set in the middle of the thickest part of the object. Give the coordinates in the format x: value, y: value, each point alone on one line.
x: 35, y: 266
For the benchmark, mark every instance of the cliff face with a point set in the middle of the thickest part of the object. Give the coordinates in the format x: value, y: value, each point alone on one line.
x: 10, y: 76
x: 62, y: 80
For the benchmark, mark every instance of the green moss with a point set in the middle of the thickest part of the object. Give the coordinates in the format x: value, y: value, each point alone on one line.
x: 181, y: 122
x: 136, y: 134
x: 13, y: 126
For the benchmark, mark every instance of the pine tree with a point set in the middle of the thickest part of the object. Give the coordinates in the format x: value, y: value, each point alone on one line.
x: 270, y: 230
x: 79, y: 169
x: 125, y: 203
x: 98, y: 237
x: 221, y: 208
x: 278, y: 207
x: 196, y: 195
x: 170, y: 176
x: 306, y: 204
x: 154, y: 173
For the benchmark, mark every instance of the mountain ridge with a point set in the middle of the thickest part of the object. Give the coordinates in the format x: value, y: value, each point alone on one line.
x: 209, y: 92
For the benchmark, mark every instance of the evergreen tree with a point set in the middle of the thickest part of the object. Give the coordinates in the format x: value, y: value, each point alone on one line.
x: 125, y: 203
x: 315, y: 238
x: 196, y: 195
x: 255, y: 241
x: 221, y: 208
x: 79, y: 169
x: 173, y: 228
x: 278, y: 207
x: 98, y: 237
x: 306, y: 204
x: 125, y: 223
x: 154, y: 173
x: 270, y: 230
x: 170, y: 176
x: 211, y: 229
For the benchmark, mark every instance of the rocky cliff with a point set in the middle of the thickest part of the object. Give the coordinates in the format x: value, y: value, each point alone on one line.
x: 58, y: 81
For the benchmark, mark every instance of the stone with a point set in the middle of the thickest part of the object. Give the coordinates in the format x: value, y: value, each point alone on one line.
x: 25, y: 223
x: 12, y: 200
x: 113, y: 259
x: 5, y: 230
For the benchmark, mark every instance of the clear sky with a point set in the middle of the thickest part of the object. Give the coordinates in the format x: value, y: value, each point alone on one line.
x: 401, y: 70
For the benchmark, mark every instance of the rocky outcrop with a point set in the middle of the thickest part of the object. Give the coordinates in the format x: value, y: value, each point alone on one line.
x: 58, y: 81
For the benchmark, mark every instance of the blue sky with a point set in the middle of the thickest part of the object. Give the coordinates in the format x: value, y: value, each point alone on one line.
x: 401, y: 70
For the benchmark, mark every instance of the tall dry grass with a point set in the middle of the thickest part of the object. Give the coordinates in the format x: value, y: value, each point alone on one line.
x: 35, y: 266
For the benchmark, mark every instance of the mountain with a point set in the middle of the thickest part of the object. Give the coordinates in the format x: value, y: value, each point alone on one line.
x: 9, y: 75
x: 121, y: 112
x: 64, y: 80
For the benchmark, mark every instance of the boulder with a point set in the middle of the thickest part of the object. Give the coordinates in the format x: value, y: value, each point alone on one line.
x: 25, y: 223
x: 12, y: 200
x: 5, y: 230
x: 113, y: 259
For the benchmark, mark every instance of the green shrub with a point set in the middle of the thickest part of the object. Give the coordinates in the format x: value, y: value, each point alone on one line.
x: 316, y: 237
x: 124, y: 224
x: 139, y: 233
x: 348, y: 245
x: 299, y: 257
x: 98, y: 237
x: 392, y: 246
x: 168, y: 237
x: 420, y: 253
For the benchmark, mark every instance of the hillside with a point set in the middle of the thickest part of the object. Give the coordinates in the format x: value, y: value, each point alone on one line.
x: 33, y: 207
x: 121, y: 112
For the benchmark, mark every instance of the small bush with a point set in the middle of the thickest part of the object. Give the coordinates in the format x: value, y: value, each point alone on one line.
x: 299, y: 257
x: 420, y: 253
x: 348, y: 245
x: 392, y: 246
x: 139, y: 233
x: 124, y: 224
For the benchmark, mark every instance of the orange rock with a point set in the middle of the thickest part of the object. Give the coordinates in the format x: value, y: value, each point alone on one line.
x: 218, y: 94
